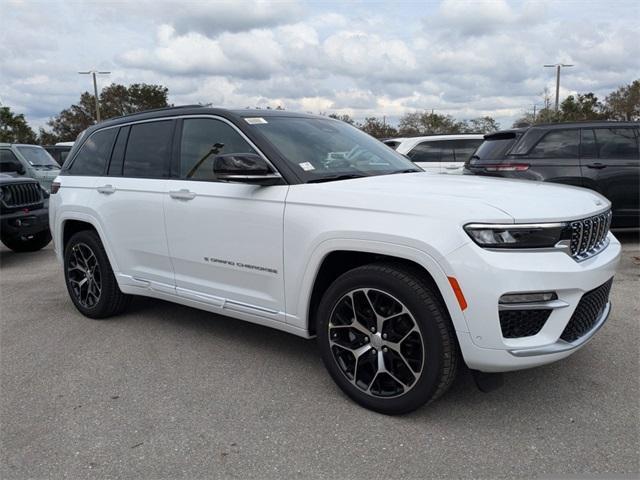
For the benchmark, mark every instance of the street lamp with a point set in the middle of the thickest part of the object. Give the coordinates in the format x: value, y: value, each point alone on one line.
x: 95, y: 89
x: 558, y: 66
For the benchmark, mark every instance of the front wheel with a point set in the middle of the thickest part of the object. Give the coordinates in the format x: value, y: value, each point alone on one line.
x: 386, y: 338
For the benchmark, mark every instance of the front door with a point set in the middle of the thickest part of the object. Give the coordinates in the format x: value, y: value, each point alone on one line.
x: 225, y: 238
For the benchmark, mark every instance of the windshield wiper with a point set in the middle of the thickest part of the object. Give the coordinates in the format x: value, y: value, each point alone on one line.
x: 406, y: 170
x: 344, y: 176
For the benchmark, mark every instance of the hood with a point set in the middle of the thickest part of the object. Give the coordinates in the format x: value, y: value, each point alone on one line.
x: 459, y: 197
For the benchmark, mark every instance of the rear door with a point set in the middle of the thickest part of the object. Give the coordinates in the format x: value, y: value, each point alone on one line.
x: 610, y: 165
x: 129, y: 203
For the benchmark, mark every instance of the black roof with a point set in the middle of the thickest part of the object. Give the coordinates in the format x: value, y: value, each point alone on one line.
x: 200, y: 110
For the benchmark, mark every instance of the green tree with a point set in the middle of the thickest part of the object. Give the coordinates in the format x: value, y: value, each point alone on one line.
x: 482, y: 125
x: 428, y: 123
x: 581, y: 107
x: 14, y: 128
x: 624, y: 103
x: 345, y: 118
x: 115, y: 100
x: 377, y: 128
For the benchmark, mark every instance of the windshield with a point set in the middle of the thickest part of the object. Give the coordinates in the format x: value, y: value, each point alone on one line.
x: 494, y: 148
x: 38, y: 157
x: 325, y: 149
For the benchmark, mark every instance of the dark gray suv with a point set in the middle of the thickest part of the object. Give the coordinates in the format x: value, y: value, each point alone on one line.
x: 602, y: 156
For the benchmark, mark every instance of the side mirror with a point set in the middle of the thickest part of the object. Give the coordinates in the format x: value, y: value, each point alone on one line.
x: 244, y: 168
x: 20, y: 169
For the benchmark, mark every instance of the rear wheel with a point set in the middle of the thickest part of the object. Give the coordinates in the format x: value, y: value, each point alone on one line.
x: 28, y: 243
x: 386, y: 338
x: 90, y: 280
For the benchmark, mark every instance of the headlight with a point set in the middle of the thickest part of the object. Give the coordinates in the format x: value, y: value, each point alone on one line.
x: 535, y: 235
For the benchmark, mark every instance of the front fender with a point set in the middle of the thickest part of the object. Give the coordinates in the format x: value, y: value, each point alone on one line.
x: 298, y: 294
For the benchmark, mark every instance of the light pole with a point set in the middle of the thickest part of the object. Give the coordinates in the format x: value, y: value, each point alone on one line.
x: 558, y: 66
x: 95, y: 89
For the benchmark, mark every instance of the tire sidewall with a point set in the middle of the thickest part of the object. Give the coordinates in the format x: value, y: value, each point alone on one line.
x: 422, y: 312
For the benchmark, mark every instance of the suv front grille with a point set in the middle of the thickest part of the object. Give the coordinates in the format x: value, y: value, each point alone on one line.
x: 589, y: 309
x: 522, y: 323
x: 589, y: 235
x: 16, y: 195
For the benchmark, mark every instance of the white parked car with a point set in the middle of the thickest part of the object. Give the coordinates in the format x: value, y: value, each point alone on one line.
x: 308, y: 225
x: 438, y: 153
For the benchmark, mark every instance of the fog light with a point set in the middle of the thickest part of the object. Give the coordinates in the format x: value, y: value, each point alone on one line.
x: 528, y: 297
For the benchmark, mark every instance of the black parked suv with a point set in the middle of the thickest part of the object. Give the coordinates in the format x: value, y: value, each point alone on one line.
x: 602, y: 156
x: 24, y: 216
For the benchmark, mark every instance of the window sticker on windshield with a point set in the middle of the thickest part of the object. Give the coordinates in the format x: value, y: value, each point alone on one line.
x: 255, y: 120
x: 306, y: 166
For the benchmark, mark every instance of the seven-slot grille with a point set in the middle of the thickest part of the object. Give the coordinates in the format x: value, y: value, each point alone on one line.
x: 21, y: 194
x: 588, y: 236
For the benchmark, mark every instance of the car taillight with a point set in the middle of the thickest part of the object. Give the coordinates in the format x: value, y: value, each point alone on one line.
x: 507, y: 167
x: 55, y: 186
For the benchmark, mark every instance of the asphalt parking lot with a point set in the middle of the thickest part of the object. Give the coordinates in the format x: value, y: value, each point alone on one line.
x: 165, y: 391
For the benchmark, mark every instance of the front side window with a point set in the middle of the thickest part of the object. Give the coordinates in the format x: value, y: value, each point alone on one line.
x: 320, y: 149
x: 148, y: 150
x: 557, y: 144
x: 617, y: 143
x: 94, y: 154
x: 203, y: 139
x: 38, y: 157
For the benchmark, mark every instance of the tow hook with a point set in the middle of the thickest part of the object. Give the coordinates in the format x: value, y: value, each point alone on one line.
x: 487, y: 382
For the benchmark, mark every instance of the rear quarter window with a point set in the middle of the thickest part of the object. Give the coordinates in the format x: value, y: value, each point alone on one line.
x: 94, y: 154
x: 557, y: 144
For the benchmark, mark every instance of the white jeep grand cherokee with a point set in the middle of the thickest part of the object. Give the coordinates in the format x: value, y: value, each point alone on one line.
x: 308, y: 225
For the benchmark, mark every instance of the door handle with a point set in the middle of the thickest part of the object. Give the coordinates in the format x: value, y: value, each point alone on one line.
x: 596, y: 165
x: 106, y: 189
x: 452, y: 167
x: 183, y: 194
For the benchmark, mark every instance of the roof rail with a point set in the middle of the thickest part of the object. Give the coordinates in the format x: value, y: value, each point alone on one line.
x: 158, y: 110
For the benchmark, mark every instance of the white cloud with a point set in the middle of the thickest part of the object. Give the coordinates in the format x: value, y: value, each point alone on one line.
x: 466, y: 58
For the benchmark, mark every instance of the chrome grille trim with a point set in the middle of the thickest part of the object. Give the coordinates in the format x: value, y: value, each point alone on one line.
x: 589, y: 235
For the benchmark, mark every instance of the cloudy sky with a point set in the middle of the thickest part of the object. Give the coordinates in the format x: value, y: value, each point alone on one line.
x: 464, y: 58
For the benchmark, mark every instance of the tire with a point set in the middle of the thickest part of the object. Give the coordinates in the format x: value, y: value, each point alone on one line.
x: 412, y: 316
x: 90, y: 281
x: 28, y: 243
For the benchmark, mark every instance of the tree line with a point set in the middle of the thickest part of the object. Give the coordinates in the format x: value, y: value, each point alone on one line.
x: 116, y: 100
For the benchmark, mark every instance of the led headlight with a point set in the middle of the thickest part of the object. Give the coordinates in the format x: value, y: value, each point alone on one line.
x: 538, y: 235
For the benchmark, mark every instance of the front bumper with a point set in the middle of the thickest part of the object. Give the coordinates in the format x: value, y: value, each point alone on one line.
x: 23, y: 223
x: 484, y: 276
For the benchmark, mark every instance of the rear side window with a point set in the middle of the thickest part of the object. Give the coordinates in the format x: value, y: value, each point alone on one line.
x: 203, y: 139
x: 557, y: 144
x: 617, y: 143
x: 148, y: 150
x: 463, y: 149
x: 392, y: 143
x: 94, y: 154
x: 427, y: 152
